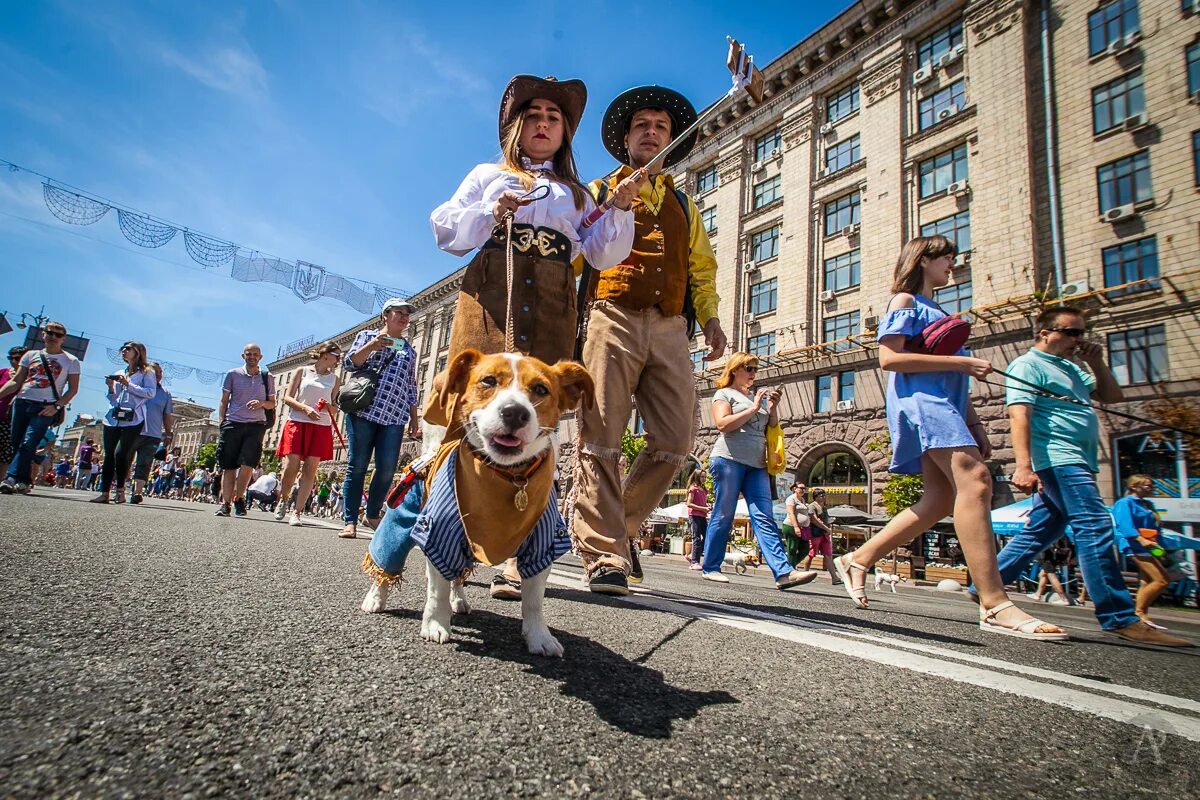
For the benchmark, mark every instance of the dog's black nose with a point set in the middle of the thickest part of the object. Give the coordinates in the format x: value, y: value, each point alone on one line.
x: 514, y: 415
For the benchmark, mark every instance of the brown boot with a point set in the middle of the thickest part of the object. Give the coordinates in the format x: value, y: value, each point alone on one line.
x: 1142, y: 633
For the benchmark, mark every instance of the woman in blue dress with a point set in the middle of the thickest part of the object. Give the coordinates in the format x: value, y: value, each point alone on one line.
x: 937, y: 434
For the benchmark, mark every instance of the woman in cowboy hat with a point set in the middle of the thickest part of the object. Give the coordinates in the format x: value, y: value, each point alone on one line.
x: 535, y: 180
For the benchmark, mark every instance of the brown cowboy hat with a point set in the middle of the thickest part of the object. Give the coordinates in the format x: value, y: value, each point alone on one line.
x: 571, y: 97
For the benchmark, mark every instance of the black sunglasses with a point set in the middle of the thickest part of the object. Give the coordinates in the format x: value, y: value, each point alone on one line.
x: 1076, y: 332
x: 126, y: 347
x: 751, y: 370
x: 55, y: 334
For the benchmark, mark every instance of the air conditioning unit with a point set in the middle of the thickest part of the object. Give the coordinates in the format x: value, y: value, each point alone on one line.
x: 774, y: 153
x: 958, y: 188
x: 850, y: 230
x: 1135, y: 122
x: 700, y: 202
x: 961, y: 259
x: 750, y: 318
x: 844, y: 405
x: 948, y: 58
x: 757, y: 166
x: 1118, y: 213
x: 947, y: 113
x: 750, y: 266
x: 1123, y: 43
x: 827, y: 128
x: 870, y: 322
x: 822, y: 173
x: 826, y: 295
x: 1074, y: 288
x: 922, y: 75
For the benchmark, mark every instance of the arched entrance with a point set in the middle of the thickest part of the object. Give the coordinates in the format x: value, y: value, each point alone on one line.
x: 841, y: 472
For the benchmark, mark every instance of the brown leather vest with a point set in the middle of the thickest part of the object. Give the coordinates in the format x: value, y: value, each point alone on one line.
x: 656, y: 271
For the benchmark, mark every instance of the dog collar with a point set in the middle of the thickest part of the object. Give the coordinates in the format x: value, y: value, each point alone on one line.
x: 518, y: 476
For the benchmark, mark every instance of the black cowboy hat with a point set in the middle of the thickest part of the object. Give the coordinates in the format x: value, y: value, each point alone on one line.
x: 570, y: 96
x: 620, y: 111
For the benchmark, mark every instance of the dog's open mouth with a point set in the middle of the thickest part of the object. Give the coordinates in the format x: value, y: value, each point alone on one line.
x: 506, y: 443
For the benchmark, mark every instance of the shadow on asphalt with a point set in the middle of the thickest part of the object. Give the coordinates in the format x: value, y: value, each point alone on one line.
x: 625, y: 694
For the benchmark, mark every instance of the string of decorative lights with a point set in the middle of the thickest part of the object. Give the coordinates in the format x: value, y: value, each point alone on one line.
x: 171, y: 370
x: 307, y: 281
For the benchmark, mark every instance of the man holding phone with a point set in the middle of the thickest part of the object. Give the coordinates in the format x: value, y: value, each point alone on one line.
x: 45, y: 382
x: 247, y: 394
x: 1056, y: 443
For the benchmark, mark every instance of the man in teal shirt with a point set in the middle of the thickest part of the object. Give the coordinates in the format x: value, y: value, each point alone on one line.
x: 1056, y: 443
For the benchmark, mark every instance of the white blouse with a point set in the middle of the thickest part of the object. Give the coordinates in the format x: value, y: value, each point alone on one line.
x: 465, y: 221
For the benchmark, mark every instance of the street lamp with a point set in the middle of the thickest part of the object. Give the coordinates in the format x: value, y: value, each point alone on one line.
x: 39, y: 319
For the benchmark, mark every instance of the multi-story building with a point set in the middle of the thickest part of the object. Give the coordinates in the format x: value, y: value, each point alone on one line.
x: 83, y: 428
x: 191, y: 434
x: 429, y: 332
x: 1057, y: 143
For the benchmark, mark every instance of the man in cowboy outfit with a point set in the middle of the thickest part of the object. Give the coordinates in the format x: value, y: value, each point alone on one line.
x: 638, y: 335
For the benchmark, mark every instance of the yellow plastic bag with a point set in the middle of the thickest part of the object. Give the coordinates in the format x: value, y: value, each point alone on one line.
x: 776, y: 450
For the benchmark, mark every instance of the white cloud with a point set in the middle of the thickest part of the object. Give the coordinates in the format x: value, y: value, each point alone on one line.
x: 230, y: 68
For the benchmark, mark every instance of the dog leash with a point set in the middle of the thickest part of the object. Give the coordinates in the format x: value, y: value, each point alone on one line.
x: 321, y: 405
x: 1044, y: 392
x: 533, y: 195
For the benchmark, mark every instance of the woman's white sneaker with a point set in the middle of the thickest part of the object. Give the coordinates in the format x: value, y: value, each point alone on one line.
x: 295, y: 520
x: 280, y: 513
x: 715, y: 577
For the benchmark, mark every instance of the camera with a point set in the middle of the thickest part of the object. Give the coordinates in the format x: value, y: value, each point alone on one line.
x: 116, y: 376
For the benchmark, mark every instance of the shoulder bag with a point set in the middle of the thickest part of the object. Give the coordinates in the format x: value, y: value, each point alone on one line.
x: 358, y: 391
x: 268, y: 413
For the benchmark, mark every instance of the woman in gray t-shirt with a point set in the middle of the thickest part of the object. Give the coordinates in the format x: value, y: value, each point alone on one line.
x: 738, y: 464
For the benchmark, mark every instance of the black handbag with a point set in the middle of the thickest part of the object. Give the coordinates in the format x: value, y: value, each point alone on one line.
x: 59, y: 414
x: 268, y: 412
x: 358, y: 391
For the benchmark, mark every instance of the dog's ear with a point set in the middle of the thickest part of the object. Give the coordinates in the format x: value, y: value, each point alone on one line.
x: 575, y: 386
x: 448, y: 386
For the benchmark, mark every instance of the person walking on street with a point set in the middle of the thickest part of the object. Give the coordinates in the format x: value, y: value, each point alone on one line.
x: 378, y: 429
x: 639, y: 332
x: 6, y: 374
x: 795, y: 528
x: 157, y: 431
x: 62, y: 472
x: 1057, y: 445
x: 697, y: 503
x: 128, y: 393
x: 198, y: 482
x: 1137, y: 530
x: 246, y: 396
x: 1053, y: 560
x: 738, y: 465
x: 307, y: 438
x: 45, y: 382
x: 820, y: 535
x: 936, y: 433
x: 83, y: 470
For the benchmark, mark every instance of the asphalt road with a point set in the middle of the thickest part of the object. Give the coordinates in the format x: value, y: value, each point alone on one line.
x: 157, y: 651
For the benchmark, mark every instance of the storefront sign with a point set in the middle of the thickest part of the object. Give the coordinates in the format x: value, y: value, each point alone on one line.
x: 1172, y: 509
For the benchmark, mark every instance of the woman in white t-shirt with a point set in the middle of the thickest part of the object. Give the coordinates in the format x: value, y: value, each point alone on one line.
x: 308, y: 433
x: 738, y: 465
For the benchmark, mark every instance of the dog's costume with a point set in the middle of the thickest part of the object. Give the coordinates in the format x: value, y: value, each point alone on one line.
x: 547, y: 235
x: 638, y: 342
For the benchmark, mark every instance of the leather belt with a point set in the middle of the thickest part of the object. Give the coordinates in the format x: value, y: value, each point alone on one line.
x: 533, y: 241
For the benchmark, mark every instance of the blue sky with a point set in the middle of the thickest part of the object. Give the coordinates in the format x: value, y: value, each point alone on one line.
x: 324, y: 132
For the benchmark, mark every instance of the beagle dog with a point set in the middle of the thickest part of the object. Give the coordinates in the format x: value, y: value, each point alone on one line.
x: 488, y: 492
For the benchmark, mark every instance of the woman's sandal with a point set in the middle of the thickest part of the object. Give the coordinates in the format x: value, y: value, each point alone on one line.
x: 350, y: 531
x: 1022, y: 630
x: 858, y: 595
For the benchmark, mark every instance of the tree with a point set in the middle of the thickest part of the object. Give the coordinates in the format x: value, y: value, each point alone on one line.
x: 206, y: 456
x: 631, y: 445
x: 271, y: 462
x: 902, y: 491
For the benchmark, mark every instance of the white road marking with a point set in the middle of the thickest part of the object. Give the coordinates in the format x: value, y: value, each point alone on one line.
x: 947, y: 663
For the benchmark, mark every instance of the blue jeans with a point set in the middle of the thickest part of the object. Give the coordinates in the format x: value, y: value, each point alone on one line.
x: 392, y: 541
x: 364, y: 437
x: 1069, y: 495
x: 28, y: 429
x: 731, y: 479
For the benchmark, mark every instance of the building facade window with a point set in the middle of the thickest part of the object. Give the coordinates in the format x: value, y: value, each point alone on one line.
x: 1117, y: 101
x: 768, y: 191
x: 764, y: 244
x: 1130, y: 261
x: 1110, y: 22
x: 844, y: 478
x: 956, y: 228
x: 823, y: 402
x: 707, y: 180
x: 1124, y: 181
x: 1138, y: 356
x: 763, y: 145
x: 762, y: 345
x: 842, y: 271
x: 440, y: 365
x: 930, y: 108
x: 954, y: 298
x: 842, y: 155
x: 1196, y: 156
x: 764, y: 296
x: 1193, y: 67
x: 708, y: 218
x: 933, y: 47
x: 839, y: 327
x: 698, y: 360
x: 447, y: 325
x: 842, y: 104
x: 845, y: 387
x: 938, y: 172
x: 842, y: 212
